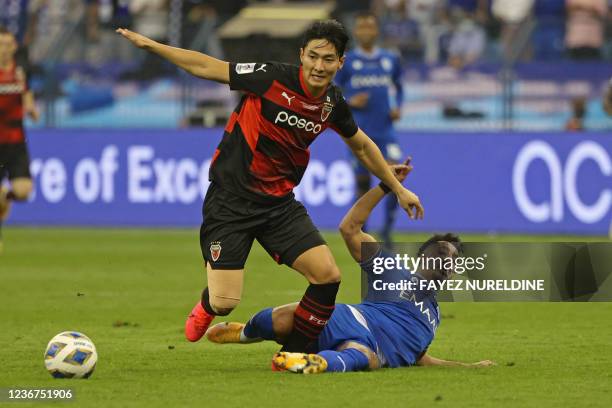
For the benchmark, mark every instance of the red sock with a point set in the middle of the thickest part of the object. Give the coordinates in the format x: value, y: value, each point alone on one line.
x: 311, y: 316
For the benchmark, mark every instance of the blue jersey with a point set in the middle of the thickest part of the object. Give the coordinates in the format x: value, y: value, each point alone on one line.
x: 403, y: 322
x: 376, y: 74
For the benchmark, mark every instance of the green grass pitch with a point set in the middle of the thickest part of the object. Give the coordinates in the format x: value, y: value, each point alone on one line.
x: 130, y: 290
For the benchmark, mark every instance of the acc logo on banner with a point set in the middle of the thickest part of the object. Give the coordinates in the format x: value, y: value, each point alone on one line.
x: 564, y: 186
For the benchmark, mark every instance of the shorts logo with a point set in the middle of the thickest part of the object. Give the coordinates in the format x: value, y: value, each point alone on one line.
x: 327, y: 109
x: 245, y: 68
x: 215, y: 250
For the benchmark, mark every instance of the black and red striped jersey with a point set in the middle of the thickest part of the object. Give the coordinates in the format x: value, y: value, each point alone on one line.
x: 265, y: 147
x: 12, y: 86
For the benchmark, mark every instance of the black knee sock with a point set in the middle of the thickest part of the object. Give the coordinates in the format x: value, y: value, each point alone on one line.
x: 311, y: 316
x: 206, y: 303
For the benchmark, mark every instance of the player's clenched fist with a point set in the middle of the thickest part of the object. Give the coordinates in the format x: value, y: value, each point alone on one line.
x: 138, y: 40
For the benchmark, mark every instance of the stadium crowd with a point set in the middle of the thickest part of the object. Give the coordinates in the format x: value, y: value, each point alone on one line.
x: 76, y: 39
x: 458, y: 31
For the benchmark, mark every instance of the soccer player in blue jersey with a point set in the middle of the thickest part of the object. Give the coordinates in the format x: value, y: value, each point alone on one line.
x: 367, y: 78
x: 387, y: 329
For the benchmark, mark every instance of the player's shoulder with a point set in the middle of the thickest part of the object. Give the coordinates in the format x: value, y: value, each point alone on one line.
x: 351, y: 54
x: 334, y: 94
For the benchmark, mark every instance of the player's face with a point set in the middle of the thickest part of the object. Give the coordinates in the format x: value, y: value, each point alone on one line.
x: 441, y: 250
x: 366, y: 31
x: 320, y: 62
x: 8, y: 46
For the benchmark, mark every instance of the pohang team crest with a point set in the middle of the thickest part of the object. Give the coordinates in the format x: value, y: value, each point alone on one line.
x: 327, y: 109
x: 215, y: 250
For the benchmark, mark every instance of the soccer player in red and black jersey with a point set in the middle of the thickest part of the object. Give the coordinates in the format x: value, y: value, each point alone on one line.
x: 15, y: 100
x: 262, y: 157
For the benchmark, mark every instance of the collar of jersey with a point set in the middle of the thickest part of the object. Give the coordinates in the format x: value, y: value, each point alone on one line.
x: 305, y: 88
x: 362, y: 53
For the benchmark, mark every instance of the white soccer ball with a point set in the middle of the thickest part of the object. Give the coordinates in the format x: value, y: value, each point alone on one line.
x: 71, y: 354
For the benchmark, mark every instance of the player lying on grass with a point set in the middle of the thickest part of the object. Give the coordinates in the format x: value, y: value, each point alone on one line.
x: 388, y: 329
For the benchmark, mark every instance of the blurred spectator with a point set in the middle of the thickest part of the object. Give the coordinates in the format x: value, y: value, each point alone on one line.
x: 201, y: 18
x: 150, y: 18
x: 512, y: 14
x: 477, y: 8
x: 584, y: 34
x: 347, y: 10
x: 14, y: 16
x: 399, y: 32
x: 102, y: 18
x: 576, y: 122
x: 433, y: 24
x: 467, y: 42
x: 56, y: 30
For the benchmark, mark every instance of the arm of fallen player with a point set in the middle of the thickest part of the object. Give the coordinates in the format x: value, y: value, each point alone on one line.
x: 428, y: 360
x: 369, y: 154
x: 196, y: 63
x: 352, y: 223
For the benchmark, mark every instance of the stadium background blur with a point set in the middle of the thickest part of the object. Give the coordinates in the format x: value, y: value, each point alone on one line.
x: 500, y: 75
x: 125, y: 140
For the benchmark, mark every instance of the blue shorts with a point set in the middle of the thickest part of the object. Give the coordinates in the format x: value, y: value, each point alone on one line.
x: 344, y: 326
x: 390, y: 149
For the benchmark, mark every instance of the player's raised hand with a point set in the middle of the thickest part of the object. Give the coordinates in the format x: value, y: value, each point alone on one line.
x: 401, y: 171
x: 138, y: 40
x: 411, y: 204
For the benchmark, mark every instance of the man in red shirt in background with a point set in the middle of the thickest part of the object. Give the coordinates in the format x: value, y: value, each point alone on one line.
x: 15, y: 100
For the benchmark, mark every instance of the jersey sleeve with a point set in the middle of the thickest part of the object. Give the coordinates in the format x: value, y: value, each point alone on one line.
x: 254, y: 77
x: 342, y: 119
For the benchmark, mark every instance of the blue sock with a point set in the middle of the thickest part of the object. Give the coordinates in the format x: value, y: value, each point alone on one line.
x: 260, y: 326
x: 345, y: 360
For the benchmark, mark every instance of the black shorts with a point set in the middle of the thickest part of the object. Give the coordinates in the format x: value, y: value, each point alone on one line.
x: 14, y: 161
x: 231, y: 223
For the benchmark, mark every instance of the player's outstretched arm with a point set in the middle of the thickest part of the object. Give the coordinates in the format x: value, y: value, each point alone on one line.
x: 196, y: 63
x: 352, y: 223
x: 369, y: 154
x: 428, y: 360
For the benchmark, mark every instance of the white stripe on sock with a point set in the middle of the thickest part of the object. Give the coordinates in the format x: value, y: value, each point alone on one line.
x: 343, y: 364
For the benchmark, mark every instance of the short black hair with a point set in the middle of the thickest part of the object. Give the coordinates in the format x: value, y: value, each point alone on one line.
x: 448, y: 237
x: 330, y: 30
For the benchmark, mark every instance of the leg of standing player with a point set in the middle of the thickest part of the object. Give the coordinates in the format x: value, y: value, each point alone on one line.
x: 317, y: 305
x: 225, y: 240
x: 14, y: 162
x: 292, y: 239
